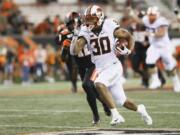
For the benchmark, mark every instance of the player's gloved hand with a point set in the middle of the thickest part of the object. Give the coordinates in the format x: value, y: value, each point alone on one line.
x: 66, y: 43
x: 123, y: 50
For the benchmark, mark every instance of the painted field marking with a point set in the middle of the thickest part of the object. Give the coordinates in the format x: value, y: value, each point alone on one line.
x: 115, y: 131
x: 58, y: 112
x: 45, y: 126
x: 82, y: 99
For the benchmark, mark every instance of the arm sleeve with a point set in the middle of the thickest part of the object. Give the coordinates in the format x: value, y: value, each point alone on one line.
x: 111, y: 25
x: 114, y: 25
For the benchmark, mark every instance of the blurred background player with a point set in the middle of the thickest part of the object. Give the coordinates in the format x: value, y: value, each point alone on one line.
x: 40, y: 56
x: 51, y: 57
x: 3, y: 61
x: 139, y: 53
x: 157, y: 27
x: 63, y: 40
x: 83, y: 61
x: 138, y: 56
x: 100, y: 34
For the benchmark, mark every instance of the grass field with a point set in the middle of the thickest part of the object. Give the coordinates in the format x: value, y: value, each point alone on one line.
x: 51, y: 108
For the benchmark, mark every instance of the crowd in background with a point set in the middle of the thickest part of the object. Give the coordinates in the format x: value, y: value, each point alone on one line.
x: 26, y: 61
x: 29, y: 63
x: 12, y: 21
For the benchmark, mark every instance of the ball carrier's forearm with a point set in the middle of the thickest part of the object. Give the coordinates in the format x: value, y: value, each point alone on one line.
x: 79, y: 45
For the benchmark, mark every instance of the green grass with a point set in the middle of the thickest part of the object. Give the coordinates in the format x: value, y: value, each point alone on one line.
x: 46, y: 112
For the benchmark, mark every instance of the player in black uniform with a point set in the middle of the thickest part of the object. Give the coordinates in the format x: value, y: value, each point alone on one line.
x: 85, y: 66
x: 66, y: 57
x: 139, y: 54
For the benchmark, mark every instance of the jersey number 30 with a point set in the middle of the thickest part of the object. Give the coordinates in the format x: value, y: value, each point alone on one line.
x: 100, y: 45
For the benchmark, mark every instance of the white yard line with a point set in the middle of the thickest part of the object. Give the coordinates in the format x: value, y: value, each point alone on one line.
x: 12, y: 115
x: 58, y: 112
x: 89, y: 127
x: 175, y: 101
x: 46, y: 111
x: 44, y: 126
x: 113, y: 131
x: 158, y: 100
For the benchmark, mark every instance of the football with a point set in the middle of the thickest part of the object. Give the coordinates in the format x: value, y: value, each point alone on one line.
x: 121, y: 47
x: 121, y: 43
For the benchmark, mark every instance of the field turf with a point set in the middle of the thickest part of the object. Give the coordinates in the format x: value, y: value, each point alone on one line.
x: 52, y: 108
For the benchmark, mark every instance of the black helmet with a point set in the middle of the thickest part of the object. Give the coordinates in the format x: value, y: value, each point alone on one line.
x: 72, y: 21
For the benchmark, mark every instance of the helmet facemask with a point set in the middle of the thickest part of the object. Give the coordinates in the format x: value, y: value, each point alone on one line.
x: 93, y: 17
x: 91, y: 21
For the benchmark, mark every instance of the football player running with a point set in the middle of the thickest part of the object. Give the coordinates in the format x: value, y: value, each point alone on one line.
x: 62, y: 40
x: 100, y: 34
x: 160, y: 47
x: 83, y: 61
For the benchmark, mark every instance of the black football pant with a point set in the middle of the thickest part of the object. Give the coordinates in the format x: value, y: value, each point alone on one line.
x: 89, y: 88
x: 138, y: 59
x: 73, y: 72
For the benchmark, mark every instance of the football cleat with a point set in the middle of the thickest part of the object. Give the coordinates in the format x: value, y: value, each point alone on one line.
x: 176, y: 88
x: 117, y: 120
x: 156, y: 83
x: 96, y: 120
x: 176, y: 84
x: 145, y: 116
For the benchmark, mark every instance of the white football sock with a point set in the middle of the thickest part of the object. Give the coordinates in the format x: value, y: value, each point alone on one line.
x: 175, y: 78
x: 155, y: 76
x: 140, y: 110
x: 114, y: 112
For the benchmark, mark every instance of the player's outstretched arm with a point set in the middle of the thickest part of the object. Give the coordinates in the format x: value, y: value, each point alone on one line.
x: 79, y: 45
x: 122, y: 33
x: 161, y: 31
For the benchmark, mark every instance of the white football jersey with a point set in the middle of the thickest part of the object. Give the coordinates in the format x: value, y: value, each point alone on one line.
x: 102, y: 44
x: 84, y: 52
x: 161, y: 21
